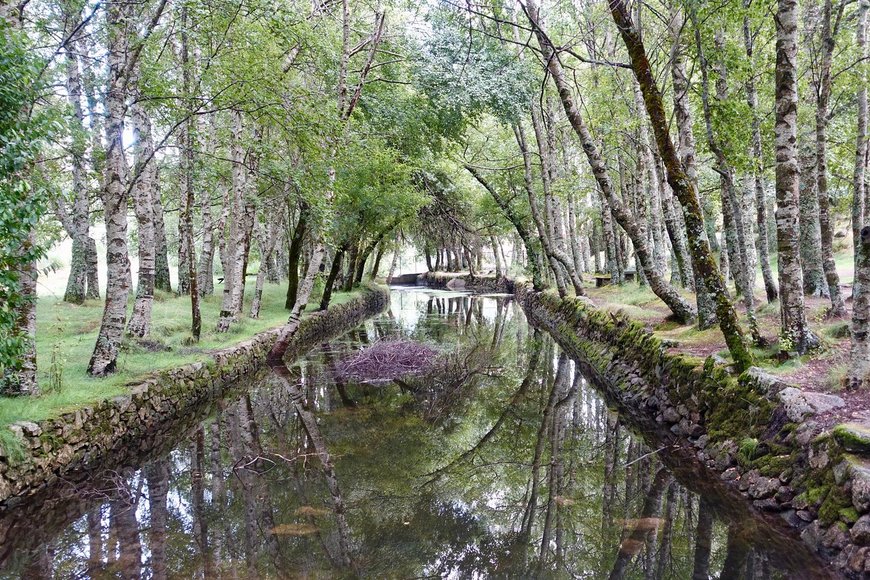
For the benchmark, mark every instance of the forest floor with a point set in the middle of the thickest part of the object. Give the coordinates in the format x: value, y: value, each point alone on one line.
x: 66, y: 334
x: 822, y: 370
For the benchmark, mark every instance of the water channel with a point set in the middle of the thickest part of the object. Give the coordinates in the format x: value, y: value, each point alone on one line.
x: 505, y: 462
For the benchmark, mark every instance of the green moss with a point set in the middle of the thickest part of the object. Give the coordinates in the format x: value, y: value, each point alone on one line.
x: 853, y: 437
x: 836, y: 500
x: 849, y: 515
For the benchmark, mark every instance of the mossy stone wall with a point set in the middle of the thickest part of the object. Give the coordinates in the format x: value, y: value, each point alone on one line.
x: 76, y: 443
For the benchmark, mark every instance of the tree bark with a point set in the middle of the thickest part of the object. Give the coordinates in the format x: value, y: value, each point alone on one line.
x: 333, y: 275
x: 235, y: 249
x: 519, y: 224
x: 294, y: 253
x: 556, y: 255
x: 762, y: 241
x: 162, y: 278
x: 829, y: 32
x: 187, y: 201
x: 732, y: 214
x: 858, y: 176
x: 810, y: 231
x: 703, y: 542
x: 114, y: 194
x: 267, y: 246
x: 859, y: 363
x: 795, y: 333
x: 76, y: 224
x: 145, y: 188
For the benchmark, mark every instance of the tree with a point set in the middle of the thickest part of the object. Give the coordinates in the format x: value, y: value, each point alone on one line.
x: 795, y: 334
x: 23, y: 131
x: 683, y: 188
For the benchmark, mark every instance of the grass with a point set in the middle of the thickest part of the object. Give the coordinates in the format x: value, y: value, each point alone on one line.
x: 69, y: 332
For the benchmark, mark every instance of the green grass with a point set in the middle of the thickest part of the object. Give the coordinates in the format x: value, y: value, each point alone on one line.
x: 70, y: 332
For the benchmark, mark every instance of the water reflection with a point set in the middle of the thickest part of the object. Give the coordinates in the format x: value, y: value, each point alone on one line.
x: 502, y: 461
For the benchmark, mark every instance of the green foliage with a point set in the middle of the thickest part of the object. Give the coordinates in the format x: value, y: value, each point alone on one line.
x: 23, y: 199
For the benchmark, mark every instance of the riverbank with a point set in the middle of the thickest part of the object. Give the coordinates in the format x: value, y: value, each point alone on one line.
x: 68, y: 332
x: 71, y: 443
x: 758, y: 433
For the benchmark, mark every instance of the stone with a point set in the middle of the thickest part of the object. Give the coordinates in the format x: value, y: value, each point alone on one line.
x: 860, y: 488
x: 860, y: 531
x: 763, y: 487
x: 806, y: 432
x: 769, y: 383
x: 805, y: 515
x: 767, y: 505
x: 730, y: 474
x: 29, y: 428
x: 799, y: 404
x: 702, y: 441
x: 835, y: 537
x: 811, y: 536
x: 841, y: 471
x: 856, y: 559
x: 818, y: 460
x: 671, y: 415
x: 853, y: 437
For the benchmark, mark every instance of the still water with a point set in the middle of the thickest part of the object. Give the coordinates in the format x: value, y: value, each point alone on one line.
x: 500, y: 461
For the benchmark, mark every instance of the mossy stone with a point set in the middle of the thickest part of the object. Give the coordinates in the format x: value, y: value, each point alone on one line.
x: 853, y: 437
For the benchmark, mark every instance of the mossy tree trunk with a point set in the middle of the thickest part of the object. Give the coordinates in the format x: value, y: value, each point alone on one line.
x: 859, y: 365
x: 683, y: 188
x: 678, y: 305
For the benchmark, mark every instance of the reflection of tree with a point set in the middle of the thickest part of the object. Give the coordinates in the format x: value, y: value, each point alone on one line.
x: 125, y: 533
x: 645, y: 526
x: 157, y: 475
x: 309, y: 422
x: 703, y: 541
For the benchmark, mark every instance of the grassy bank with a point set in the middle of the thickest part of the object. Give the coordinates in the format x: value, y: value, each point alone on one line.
x: 66, y: 335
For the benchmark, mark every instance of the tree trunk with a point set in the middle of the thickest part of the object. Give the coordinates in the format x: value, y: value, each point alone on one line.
x: 294, y: 253
x: 235, y: 248
x: 810, y: 232
x: 78, y: 222
x: 520, y: 225
x: 859, y: 364
x: 703, y: 541
x: 266, y: 248
x: 333, y: 275
x: 795, y: 333
x: 373, y: 273
x: 838, y: 306
x: 157, y: 475
x: 186, y: 217
x: 145, y: 188
x: 551, y: 248
x: 762, y: 241
x: 684, y: 189
x: 162, y: 278
x: 114, y: 194
x: 732, y: 208
x: 858, y: 176
x: 205, y: 270
x: 22, y: 380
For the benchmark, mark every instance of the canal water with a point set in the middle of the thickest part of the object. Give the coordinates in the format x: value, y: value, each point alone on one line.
x: 498, y: 460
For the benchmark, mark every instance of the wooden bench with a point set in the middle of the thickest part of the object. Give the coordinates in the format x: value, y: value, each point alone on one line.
x: 601, y: 280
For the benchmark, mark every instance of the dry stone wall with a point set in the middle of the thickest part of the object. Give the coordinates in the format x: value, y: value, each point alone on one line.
x: 757, y: 434
x: 70, y: 446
